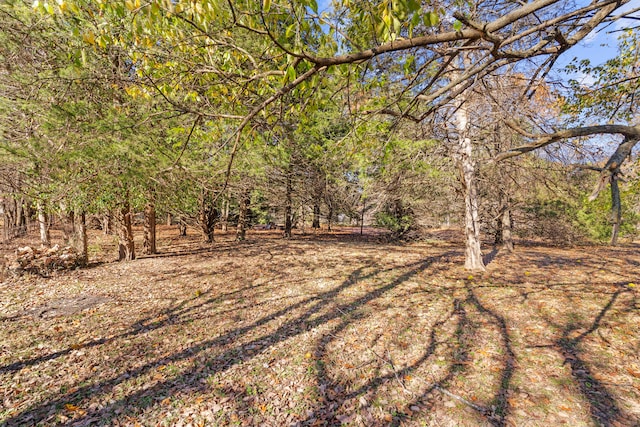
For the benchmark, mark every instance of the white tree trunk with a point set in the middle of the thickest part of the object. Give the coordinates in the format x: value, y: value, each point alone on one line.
x: 473, y: 254
x: 43, y: 225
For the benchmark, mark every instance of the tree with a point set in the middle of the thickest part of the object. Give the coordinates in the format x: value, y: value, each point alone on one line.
x: 273, y: 52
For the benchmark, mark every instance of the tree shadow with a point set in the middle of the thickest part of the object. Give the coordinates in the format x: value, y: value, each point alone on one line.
x: 455, y: 329
x: 317, y: 310
x: 603, y: 407
x: 173, y: 315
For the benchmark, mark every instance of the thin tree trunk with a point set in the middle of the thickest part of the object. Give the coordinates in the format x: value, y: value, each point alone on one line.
x: 207, y: 216
x: 43, y: 224
x: 287, y: 207
x: 616, y: 209
x: 149, y: 233
x: 316, y: 216
x: 21, y: 220
x: 182, y: 228
x: 169, y: 219
x: 126, y: 248
x: 68, y: 222
x: 80, y: 237
x: 7, y: 221
x: 243, y: 215
x: 362, y: 218
x: 329, y: 217
x: 225, y: 215
x: 106, y: 223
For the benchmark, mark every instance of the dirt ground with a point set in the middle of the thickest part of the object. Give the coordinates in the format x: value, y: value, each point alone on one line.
x: 324, y: 329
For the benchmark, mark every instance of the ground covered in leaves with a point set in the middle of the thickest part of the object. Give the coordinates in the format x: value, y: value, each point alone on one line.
x: 322, y: 330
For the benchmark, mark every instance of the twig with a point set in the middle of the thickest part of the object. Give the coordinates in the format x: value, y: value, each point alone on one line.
x: 393, y: 368
x: 478, y: 408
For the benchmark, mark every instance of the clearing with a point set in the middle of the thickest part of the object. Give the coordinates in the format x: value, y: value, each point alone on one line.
x: 325, y: 329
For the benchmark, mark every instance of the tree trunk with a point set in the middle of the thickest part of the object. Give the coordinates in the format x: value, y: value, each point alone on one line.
x: 616, y: 209
x: 466, y: 166
x: 316, y: 216
x: 106, y: 223
x: 7, y: 221
x: 243, y: 215
x: 126, y: 248
x: 507, y: 238
x: 169, y: 219
x: 287, y: 207
x: 80, y: 237
x: 21, y: 220
x: 225, y: 215
x: 68, y: 226
x: 149, y: 233
x: 207, y: 216
x: 43, y: 224
x: 182, y: 228
x: 329, y: 217
x: 362, y: 217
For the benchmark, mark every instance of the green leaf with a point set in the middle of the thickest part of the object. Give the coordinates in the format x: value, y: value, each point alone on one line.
x: 431, y: 19
x: 290, y: 74
x: 313, y: 4
x: 266, y: 5
x: 457, y: 25
x: 290, y: 30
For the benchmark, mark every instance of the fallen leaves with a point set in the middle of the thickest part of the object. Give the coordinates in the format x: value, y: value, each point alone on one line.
x: 299, y: 345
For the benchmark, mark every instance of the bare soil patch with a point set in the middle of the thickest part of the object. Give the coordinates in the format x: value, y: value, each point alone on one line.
x: 324, y: 329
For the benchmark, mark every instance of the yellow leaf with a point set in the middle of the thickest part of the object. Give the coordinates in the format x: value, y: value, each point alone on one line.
x: 307, y: 356
x: 89, y: 38
x: 165, y: 402
x: 470, y: 277
x: 71, y: 408
x: 632, y: 285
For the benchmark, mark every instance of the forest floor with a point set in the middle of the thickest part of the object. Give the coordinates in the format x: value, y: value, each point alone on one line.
x: 325, y: 329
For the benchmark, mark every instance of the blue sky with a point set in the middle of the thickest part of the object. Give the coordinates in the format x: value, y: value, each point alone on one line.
x: 601, y: 44
x: 598, y: 46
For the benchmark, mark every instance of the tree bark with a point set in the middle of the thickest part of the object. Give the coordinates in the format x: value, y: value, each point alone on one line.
x: 149, y: 233
x: 106, y: 223
x: 329, y: 217
x: 80, y: 237
x: 243, y: 215
x: 224, y: 221
x: 207, y: 216
x: 68, y: 228
x: 21, y: 218
x: 316, y: 216
x: 182, y: 228
x: 362, y: 217
x: 169, y: 219
x: 7, y: 221
x: 616, y: 209
x: 464, y: 159
x: 507, y: 237
x: 126, y: 247
x: 43, y: 224
x: 287, y: 207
